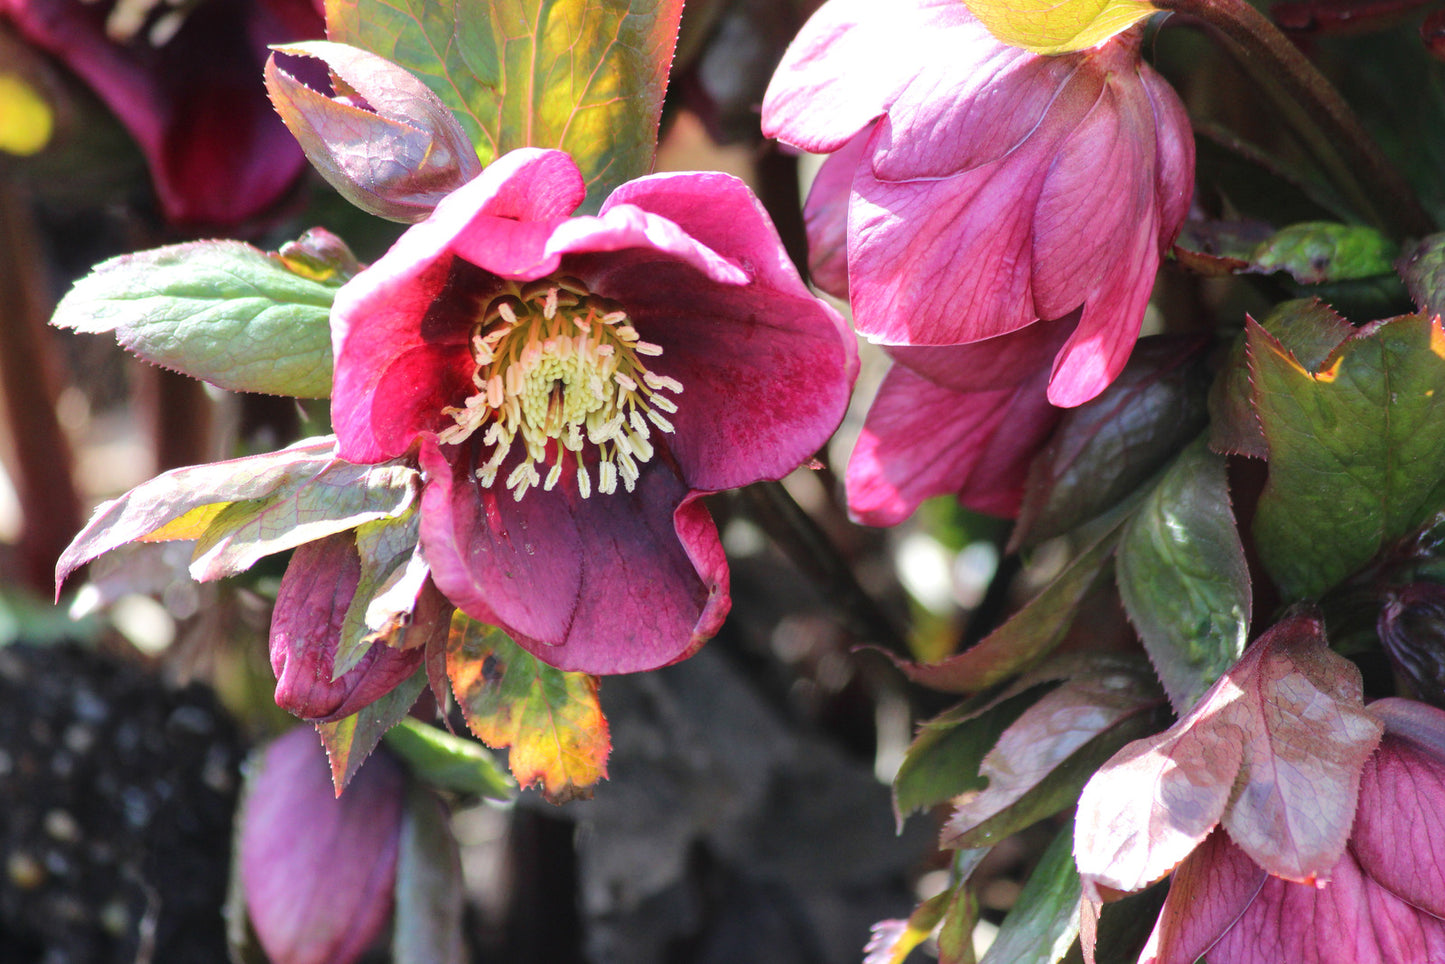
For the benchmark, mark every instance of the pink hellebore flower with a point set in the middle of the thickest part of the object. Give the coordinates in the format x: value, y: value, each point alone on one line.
x: 575, y: 384
x: 318, y: 871
x: 986, y: 187
x: 1384, y: 902
x: 965, y: 420
x: 185, y: 80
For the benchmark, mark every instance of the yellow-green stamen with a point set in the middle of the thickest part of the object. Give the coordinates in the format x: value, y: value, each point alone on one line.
x: 556, y: 363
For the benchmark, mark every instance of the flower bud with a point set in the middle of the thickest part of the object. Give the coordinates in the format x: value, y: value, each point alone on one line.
x: 1412, y: 628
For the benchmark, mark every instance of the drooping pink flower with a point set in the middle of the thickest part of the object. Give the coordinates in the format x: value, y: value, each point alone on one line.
x: 574, y: 385
x: 186, y: 82
x: 318, y: 870
x: 1384, y: 901
x: 964, y: 420
x: 986, y: 187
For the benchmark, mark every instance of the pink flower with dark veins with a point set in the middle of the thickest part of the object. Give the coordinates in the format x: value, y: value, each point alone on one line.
x: 964, y: 420
x: 1383, y: 902
x: 185, y: 80
x: 574, y: 385
x: 977, y: 188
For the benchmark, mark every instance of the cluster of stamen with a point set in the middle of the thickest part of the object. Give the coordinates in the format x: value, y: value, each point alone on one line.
x: 560, y: 368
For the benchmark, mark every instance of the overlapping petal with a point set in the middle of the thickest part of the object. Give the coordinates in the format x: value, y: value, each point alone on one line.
x: 992, y: 187
x: 596, y: 581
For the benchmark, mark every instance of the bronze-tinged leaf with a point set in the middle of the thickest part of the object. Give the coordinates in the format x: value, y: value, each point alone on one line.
x: 1044, y: 757
x: 1106, y: 448
x: 549, y: 719
x: 1273, y: 751
x: 1030, y: 634
x: 350, y: 741
x: 578, y: 75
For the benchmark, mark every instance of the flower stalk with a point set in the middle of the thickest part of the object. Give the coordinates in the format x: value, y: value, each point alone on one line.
x: 1331, y: 132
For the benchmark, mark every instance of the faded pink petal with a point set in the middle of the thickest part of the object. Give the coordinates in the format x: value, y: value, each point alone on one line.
x: 318, y: 871
x: 995, y: 187
x: 311, y: 605
x: 827, y: 219
x: 588, y: 577
x: 218, y: 154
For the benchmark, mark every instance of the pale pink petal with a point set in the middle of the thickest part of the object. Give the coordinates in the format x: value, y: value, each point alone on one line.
x: 826, y: 216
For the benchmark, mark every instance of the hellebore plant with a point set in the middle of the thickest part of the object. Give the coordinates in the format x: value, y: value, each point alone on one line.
x: 987, y: 188
x: 574, y: 385
x: 183, y: 81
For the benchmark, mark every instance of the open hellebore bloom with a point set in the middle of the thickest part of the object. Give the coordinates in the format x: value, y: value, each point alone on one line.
x: 986, y: 187
x: 1384, y: 901
x: 575, y: 384
x: 184, y: 80
x: 956, y: 419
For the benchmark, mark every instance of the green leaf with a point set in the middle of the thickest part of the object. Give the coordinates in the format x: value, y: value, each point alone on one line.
x: 1310, y: 330
x: 1106, y: 448
x: 1314, y: 252
x: 955, y: 934
x: 1356, y: 449
x: 449, y: 762
x: 430, y: 891
x: 579, y: 75
x: 1183, y: 578
x: 1045, y: 919
x: 349, y: 741
x: 220, y: 311
x: 550, y: 719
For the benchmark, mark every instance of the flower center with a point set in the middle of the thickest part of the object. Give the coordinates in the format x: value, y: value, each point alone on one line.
x: 559, y: 367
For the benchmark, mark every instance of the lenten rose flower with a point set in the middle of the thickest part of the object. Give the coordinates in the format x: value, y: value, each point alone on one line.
x: 962, y: 420
x: 184, y: 79
x: 1384, y: 901
x: 978, y: 188
x: 574, y: 385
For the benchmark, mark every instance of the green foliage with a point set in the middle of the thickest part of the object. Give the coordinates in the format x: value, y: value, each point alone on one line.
x: 1356, y: 449
x: 1045, y: 918
x: 448, y: 762
x: 1183, y: 578
x: 581, y: 76
x: 221, y: 311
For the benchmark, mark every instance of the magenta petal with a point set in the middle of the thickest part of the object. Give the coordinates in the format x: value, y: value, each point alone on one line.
x: 612, y: 584
x: 306, y: 627
x: 826, y: 216
x: 1209, y: 892
x: 921, y: 439
x: 1350, y: 920
x: 945, y: 261
x: 318, y: 871
x: 1399, y: 832
x: 812, y: 104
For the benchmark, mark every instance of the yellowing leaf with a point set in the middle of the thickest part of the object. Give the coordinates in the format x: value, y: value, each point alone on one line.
x: 549, y: 718
x: 26, y: 120
x: 192, y: 525
x: 1048, y: 27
